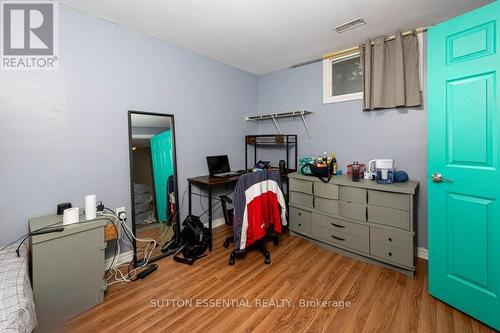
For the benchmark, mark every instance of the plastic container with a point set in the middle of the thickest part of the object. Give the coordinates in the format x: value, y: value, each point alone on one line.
x: 362, y: 169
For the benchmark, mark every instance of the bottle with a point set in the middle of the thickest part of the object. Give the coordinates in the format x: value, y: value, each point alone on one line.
x: 334, y: 171
x: 282, y: 166
x: 325, y: 158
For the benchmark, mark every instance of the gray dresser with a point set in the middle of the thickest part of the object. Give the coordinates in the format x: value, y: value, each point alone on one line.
x: 366, y: 220
x: 67, y: 269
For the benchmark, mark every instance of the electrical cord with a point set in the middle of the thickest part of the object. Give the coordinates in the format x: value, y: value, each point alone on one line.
x: 32, y: 233
x: 116, y: 273
x: 215, y: 204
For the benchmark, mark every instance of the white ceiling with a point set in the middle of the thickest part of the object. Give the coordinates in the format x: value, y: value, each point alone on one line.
x: 147, y: 120
x: 260, y: 36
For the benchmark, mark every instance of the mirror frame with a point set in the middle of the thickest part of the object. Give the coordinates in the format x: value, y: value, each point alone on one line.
x: 176, y: 186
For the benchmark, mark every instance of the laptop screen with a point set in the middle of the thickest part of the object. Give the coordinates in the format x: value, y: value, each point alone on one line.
x: 218, y: 164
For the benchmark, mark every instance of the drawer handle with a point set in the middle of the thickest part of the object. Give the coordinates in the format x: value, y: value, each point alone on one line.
x: 366, y: 213
x: 337, y: 225
x: 300, y: 214
x: 300, y: 225
x: 390, y: 239
x: 338, y: 238
x: 390, y: 254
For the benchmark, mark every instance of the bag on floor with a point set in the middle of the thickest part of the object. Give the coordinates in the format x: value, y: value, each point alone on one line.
x: 195, y: 238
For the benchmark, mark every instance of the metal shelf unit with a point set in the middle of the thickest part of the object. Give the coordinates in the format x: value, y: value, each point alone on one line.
x: 287, y: 141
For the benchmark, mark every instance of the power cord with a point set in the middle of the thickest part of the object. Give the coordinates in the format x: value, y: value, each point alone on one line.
x: 113, y: 270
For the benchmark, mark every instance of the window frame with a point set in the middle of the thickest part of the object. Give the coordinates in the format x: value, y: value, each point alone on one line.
x: 327, y: 80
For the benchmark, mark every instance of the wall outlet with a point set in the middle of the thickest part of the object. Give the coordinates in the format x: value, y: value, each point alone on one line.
x: 121, y: 213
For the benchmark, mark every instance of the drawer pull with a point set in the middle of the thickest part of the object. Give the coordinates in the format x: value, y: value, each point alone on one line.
x: 390, y: 254
x: 300, y: 225
x: 300, y: 214
x: 366, y: 213
x: 338, y: 238
x: 390, y: 239
x: 337, y: 225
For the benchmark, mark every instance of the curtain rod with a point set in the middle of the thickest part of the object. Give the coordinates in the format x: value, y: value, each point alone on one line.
x: 355, y: 48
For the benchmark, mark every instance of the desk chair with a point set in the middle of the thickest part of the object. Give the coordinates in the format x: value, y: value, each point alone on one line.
x: 228, y: 217
x: 260, y: 244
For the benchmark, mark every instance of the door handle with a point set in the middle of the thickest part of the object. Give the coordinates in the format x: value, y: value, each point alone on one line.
x: 438, y: 178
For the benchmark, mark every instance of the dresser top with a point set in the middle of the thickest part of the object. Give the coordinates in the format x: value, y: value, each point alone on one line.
x: 409, y: 187
x: 50, y: 221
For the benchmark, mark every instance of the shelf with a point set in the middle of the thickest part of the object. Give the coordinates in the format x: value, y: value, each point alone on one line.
x: 274, y: 116
x: 279, y: 115
x: 271, y: 139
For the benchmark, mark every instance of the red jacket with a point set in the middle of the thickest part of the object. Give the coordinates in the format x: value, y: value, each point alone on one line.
x: 258, y: 204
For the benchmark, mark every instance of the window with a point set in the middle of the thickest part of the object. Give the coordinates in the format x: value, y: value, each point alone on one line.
x: 342, y: 78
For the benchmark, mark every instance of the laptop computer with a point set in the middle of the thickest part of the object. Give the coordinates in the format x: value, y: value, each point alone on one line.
x: 218, y: 166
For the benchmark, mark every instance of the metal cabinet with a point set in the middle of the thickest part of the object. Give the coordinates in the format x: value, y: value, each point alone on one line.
x: 67, y: 269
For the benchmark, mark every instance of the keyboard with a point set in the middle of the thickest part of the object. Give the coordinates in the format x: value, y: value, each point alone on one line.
x: 226, y: 174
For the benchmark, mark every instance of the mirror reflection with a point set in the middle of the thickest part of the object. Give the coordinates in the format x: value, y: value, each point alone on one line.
x: 154, y: 181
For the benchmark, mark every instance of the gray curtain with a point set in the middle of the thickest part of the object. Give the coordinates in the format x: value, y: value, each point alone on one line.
x: 390, y: 72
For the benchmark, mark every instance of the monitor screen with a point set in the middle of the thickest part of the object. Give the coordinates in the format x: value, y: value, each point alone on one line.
x: 218, y: 164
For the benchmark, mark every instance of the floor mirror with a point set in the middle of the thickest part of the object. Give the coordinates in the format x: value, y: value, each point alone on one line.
x: 153, y: 183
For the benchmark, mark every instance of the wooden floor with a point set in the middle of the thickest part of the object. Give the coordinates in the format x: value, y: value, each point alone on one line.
x: 381, y: 299
x: 157, y: 231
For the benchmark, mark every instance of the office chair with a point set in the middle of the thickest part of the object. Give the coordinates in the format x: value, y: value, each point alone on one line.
x: 228, y: 217
x: 260, y: 244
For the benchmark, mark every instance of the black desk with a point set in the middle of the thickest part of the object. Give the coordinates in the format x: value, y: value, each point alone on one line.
x: 208, y: 183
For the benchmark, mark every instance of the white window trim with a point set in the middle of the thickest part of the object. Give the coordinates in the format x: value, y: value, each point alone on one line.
x: 327, y: 75
x: 327, y: 81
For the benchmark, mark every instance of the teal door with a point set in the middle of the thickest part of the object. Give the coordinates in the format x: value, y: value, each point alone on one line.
x: 463, y: 167
x: 161, y: 155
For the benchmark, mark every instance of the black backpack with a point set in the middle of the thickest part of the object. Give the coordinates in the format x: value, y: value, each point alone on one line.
x: 195, y: 238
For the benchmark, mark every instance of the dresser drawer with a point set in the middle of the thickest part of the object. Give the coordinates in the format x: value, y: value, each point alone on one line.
x: 401, y: 240
x: 339, y: 238
x: 352, y: 194
x: 334, y: 224
x: 300, y: 220
x: 352, y: 210
x: 326, y: 205
x: 387, y: 199
x: 389, y: 216
x: 302, y: 199
x: 392, y: 254
x: 303, y: 186
x: 328, y: 191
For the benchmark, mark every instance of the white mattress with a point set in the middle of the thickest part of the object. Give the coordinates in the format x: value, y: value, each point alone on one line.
x: 17, y: 310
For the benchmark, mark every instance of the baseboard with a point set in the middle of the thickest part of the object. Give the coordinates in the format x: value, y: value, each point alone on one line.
x: 123, y: 258
x: 423, y: 253
x: 216, y: 223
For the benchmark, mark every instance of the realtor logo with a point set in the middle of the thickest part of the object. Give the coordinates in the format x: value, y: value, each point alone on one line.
x: 29, y: 32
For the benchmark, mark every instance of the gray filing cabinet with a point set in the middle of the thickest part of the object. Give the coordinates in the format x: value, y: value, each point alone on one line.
x: 367, y: 220
x: 67, y: 269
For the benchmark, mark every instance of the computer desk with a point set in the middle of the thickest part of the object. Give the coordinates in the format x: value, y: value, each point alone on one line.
x: 209, y: 183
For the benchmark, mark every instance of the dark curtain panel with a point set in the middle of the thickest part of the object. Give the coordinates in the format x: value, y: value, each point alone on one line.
x: 390, y: 72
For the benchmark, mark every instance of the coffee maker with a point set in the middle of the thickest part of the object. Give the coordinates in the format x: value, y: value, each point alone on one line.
x: 382, y: 170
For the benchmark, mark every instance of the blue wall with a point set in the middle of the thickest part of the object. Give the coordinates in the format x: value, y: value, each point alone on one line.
x: 63, y: 134
x: 345, y: 129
